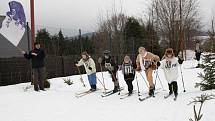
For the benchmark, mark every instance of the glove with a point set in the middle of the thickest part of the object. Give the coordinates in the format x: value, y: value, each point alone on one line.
x: 138, y: 69
x: 100, y: 60
x: 90, y: 68
x: 75, y: 62
x: 34, y: 54
x: 180, y: 61
x: 23, y: 52
x: 158, y: 64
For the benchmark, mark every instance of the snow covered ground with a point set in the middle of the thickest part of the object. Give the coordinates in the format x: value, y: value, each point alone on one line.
x: 60, y: 104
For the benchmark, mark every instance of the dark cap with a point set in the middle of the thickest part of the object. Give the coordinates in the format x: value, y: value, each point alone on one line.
x: 106, y: 52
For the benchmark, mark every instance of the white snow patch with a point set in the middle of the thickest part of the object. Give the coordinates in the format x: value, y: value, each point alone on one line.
x: 60, y: 104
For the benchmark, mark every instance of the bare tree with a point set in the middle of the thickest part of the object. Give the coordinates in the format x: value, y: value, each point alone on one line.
x: 175, y: 21
x: 111, y: 31
x: 212, y: 36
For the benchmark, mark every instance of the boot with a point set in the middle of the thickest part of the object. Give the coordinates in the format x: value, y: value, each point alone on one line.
x: 130, y: 93
x: 170, y: 88
x: 93, y: 88
x: 151, y: 91
x: 116, y: 89
x: 198, y: 66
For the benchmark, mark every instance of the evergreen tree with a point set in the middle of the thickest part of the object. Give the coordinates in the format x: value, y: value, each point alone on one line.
x: 140, y: 35
x: 208, y: 77
x: 134, y: 36
x: 54, y: 41
x: 61, y: 42
x: 152, y: 39
x: 88, y: 45
x: 44, y: 38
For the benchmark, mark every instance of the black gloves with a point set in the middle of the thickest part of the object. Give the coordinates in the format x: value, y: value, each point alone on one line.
x: 180, y: 61
x: 90, y: 68
x: 75, y: 62
x: 158, y: 64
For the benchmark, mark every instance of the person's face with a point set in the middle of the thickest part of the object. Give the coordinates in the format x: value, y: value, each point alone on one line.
x: 142, y: 51
x: 84, y: 56
x: 37, y: 46
x: 169, y: 55
x: 106, y: 56
x: 126, y: 60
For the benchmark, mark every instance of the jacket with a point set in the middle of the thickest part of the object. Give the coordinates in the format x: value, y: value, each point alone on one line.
x: 88, y: 63
x: 149, y: 61
x: 170, y: 68
x: 37, y: 61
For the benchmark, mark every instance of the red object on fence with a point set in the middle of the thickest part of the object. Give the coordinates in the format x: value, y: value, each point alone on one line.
x: 32, y: 23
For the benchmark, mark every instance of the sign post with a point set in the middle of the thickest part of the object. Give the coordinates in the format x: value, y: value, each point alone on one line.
x: 32, y: 23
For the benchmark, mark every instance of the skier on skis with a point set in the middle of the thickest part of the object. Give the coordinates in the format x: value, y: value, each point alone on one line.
x: 110, y: 65
x: 90, y: 68
x: 129, y: 73
x: 148, y: 62
x: 170, y: 67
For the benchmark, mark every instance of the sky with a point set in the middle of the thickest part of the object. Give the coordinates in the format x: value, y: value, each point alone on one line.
x: 71, y: 15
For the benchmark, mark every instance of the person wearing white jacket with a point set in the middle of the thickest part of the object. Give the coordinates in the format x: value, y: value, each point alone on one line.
x: 170, y: 66
x: 90, y: 68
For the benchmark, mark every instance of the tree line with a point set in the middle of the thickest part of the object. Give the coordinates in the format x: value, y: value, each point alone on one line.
x: 169, y: 23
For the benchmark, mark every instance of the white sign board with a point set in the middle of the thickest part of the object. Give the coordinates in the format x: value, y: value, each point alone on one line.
x: 14, y: 24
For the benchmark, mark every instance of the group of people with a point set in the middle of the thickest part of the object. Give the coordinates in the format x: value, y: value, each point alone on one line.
x: 145, y: 61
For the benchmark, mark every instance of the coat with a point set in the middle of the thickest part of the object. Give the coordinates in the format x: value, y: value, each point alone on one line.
x: 88, y: 63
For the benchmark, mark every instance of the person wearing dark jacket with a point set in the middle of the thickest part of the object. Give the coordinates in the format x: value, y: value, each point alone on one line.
x: 198, y: 53
x: 37, y: 56
x: 111, y: 66
x: 128, y: 72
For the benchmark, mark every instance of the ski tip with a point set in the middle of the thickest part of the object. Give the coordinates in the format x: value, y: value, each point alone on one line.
x: 77, y: 96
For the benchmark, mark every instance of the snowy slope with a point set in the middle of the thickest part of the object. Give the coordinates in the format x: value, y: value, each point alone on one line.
x: 60, y: 104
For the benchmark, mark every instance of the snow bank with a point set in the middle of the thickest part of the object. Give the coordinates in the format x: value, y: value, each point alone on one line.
x: 60, y: 104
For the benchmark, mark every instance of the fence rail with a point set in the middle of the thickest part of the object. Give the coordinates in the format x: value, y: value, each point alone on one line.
x: 17, y: 70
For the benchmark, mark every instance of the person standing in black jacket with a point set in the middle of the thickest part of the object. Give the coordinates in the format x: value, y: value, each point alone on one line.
x: 37, y: 56
x: 111, y: 66
x: 198, y: 53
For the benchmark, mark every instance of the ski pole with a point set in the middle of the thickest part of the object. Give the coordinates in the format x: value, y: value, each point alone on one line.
x: 101, y: 83
x: 144, y: 79
x: 118, y: 82
x: 161, y: 82
x: 138, y: 88
x: 115, y: 80
x: 82, y: 81
x: 103, y: 77
x: 156, y: 77
x: 182, y: 79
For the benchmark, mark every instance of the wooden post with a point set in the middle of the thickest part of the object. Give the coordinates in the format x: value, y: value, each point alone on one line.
x: 32, y: 23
